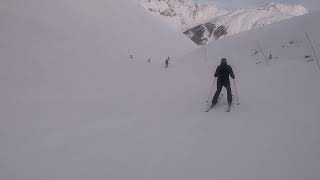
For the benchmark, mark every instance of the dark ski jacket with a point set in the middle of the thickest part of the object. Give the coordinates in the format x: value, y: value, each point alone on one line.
x: 223, y: 72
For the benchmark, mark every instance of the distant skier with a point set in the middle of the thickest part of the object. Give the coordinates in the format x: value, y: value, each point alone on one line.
x: 270, y: 56
x: 149, y: 60
x: 223, y: 72
x: 131, y: 56
x: 167, y: 62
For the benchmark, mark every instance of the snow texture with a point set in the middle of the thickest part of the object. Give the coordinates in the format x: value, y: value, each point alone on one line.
x: 187, y: 15
x: 74, y: 106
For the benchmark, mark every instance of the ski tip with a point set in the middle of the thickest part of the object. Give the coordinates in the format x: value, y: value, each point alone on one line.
x: 208, y: 110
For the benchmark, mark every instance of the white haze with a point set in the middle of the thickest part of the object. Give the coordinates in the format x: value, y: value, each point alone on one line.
x: 73, y: 106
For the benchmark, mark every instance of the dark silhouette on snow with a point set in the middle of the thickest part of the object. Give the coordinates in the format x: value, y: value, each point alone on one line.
x: 149, y: 60
x: 167, y: 62
x: 223, y: 72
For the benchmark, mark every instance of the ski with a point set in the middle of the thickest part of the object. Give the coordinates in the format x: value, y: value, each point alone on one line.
x: 228, y: 109
x: 207, y: 110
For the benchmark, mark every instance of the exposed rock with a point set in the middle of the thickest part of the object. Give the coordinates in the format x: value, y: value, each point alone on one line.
x: 152, y: 10
x: 220, y: 31
x: 168, y: 12
x: 202, y: 33
x: 186, y: 15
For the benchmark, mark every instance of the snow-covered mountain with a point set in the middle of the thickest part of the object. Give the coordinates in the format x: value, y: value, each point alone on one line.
x: 73, y: 106
x: 55, y: 57
x: 203, y: 22
x: 182, y: 14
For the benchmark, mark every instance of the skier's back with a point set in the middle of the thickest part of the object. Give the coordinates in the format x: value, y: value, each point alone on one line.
x: 223, y: 72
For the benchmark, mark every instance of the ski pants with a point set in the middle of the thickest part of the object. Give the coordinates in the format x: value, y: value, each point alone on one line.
x: 219, y: 88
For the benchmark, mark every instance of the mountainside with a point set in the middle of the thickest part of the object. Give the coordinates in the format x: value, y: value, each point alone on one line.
x: 182, y: 14
x: 58, y: 59
x: 204, y: 22
x: 75, y: 107
x: 87, y: 27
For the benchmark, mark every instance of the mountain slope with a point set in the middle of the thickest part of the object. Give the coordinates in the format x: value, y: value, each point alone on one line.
x: 204, y: 22
x: 274, y: 133
x: 59, y: 60
x: 69, y: 110
x: 83, y: 23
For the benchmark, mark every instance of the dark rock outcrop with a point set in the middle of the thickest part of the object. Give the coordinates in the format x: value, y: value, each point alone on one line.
x: 220, y: 31
x: 168, y: 12
x: 203, y: 32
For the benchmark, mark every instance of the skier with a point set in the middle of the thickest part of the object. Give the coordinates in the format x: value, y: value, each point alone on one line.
x: 149, y: 60
x: 131, y: 56
x: 167, y: 62
x: 223, y: 72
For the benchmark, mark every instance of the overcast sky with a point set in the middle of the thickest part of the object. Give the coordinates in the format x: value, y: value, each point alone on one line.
x: 310, y: 4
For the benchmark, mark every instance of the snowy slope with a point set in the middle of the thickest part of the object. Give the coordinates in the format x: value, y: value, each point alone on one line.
x: 59, y: 59
x: 274, y: 133
x: 195, y: 19
x: 84, y: 23
x: 182, y: 15
x: 246, y: 19
x: 73, y: 109
x: 311, y: 4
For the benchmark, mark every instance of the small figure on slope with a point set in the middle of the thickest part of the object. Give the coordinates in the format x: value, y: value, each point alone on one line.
x: 223, y: 72
x: 167, y: 62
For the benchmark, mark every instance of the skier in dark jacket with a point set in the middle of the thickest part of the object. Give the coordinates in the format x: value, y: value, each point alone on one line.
x: 223, y: 72
x: 167, y: 62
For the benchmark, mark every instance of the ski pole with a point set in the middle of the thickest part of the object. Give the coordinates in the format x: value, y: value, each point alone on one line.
x: 314, y: 52
x: 262, y: 53
x: 235, y: 87
x: 211, y: 89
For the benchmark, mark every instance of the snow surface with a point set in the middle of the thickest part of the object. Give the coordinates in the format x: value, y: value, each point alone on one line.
x: 74, y: 106
x: 233, y: 4
x: 188, y: 14
x: 184, y: 14
x: 241, y: 20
